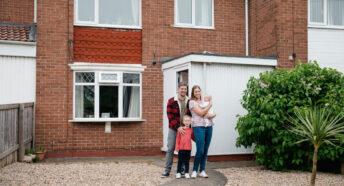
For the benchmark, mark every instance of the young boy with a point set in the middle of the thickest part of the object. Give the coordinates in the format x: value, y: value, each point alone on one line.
x: 183, y: 147
x: 207, y: 99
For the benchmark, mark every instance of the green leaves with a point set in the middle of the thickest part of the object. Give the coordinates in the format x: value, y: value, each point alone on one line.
x: 275, y: 94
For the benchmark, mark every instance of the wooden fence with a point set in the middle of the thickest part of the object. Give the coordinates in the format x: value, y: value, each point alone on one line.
x: 17, y: 129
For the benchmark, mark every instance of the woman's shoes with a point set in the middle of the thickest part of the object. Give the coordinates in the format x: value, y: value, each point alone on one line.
x: 187, y: 176
x: 178, y: 175
x: 203, y: 174
x: 194, y: 174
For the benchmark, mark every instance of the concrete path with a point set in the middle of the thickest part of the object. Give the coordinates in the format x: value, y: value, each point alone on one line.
x: 215, y: 178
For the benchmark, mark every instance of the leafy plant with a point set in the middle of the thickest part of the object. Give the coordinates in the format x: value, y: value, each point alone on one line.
x: 318, y: 126
x: 275, y: 94
x: 30, y: 151
x: 40, y: 149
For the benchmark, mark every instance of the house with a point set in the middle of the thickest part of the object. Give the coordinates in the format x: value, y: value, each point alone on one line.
x: 100, y: 64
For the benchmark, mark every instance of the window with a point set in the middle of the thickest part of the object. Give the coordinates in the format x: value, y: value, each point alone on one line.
x: 117, y: 98
x: 326, y: 12
x: 194, y: 13
x: 108, y: 13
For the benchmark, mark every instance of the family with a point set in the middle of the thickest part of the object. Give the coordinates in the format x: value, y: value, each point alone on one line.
x: 189, y: 119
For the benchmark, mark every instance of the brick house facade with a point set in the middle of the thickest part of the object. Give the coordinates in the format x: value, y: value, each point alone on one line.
x: 275, y: 28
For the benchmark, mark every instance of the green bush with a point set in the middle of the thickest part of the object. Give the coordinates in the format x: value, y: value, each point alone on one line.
x: 271, y: 98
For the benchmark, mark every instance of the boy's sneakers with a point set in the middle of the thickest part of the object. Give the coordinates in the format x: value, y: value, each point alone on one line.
x: 194, y: 174
x: 203, y: 174
x: 187, y: 176
x: 178, y: 175
x: 166, y: 174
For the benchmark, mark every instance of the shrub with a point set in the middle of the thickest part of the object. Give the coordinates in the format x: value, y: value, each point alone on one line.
x: 272, y: 97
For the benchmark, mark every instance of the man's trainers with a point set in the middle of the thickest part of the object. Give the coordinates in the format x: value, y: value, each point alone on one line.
x: 203, y: 174
x: 165, y: 175
x: 178, y: 175
x: 194, y: 174
x: 187, y: 176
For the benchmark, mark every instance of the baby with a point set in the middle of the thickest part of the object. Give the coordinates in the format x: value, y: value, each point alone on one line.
x: 206, y: 101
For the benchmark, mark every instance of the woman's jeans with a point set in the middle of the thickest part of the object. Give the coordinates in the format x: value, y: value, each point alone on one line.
x: 203, y: 137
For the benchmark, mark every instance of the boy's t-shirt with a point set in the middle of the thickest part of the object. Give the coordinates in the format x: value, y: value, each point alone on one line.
x: 183, y: 142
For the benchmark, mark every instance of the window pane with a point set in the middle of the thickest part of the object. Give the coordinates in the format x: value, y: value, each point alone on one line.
x: 108, y: 101
x: 131, y: 78
x: 317, y: 11
x: 84, y: 77
x: 84, y: 101
x: 184, y: 11
x: 131, y: 102
x: 335, y: 9
x: 109, y: 77
x: 119, y: 12
x: 204, y: 11
x: 86, y: 10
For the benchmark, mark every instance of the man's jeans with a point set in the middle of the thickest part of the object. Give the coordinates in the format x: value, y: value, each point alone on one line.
x: 171, y: 142
x: 203, y: 137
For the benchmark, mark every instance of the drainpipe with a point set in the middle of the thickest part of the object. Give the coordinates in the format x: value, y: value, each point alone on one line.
x: 246, y: 25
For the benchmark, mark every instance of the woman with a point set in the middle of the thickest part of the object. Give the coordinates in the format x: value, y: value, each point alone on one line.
x: 202, y: 134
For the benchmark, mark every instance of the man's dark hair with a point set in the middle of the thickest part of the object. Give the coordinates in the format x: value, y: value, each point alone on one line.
x: 182, y: 84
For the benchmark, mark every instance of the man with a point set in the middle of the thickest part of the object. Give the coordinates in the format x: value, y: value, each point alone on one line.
x: 177, y: 107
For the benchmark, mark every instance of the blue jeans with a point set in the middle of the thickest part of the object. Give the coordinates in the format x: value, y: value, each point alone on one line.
x: 203, y: 138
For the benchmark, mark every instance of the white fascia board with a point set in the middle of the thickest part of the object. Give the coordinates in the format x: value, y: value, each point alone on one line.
x: 81, y: 66
x: 17, y: 48
x: 220, y: 59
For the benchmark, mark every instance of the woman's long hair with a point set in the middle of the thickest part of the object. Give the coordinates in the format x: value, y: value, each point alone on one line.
x: 192, y: 92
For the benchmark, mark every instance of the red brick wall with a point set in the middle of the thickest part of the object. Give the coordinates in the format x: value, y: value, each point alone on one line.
x: 54, y: 93
x: 107, y: 45
x: 17, y: 11
x: 274, y: 30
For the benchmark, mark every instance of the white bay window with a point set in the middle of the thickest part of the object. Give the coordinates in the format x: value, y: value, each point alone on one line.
x: 107, y: 95
x: 108, y: 13
x: 328, y: 13
x: 194, y: 13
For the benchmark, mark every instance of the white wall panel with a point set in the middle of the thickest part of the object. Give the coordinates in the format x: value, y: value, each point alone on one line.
x: 226, y: 83
x: 17, y: 79
x: 326, y: 46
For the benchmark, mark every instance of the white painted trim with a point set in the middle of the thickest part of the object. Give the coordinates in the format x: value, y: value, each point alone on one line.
x: 17, y: 48
x: 95, y: 23
x: 108, y: 119
x: 81, y: 66
x: 219, y: 59
x: 326, y: 27
x: 196, y: 27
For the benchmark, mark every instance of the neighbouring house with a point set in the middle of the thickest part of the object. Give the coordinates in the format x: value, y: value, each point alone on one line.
x: 105, y: 69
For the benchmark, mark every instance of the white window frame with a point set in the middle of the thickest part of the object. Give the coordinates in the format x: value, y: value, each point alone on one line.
x: 96, y: 23
x: 324, y: 24
x: 112, y: 68
x: 193, y: 24
x: 118, y: 80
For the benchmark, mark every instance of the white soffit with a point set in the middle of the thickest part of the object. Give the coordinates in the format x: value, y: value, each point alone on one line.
x: 17, y: 48
x: 81, y: 66
x: 220, y: 59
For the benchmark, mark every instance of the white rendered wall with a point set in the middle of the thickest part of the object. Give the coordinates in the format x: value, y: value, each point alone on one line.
x: 326, y: 46
x: 17, y: 79
x: 226, y: 83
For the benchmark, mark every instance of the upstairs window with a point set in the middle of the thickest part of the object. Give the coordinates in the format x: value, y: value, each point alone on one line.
x: 108, y: 13
x: 194, y: 13
x: 326, y: 12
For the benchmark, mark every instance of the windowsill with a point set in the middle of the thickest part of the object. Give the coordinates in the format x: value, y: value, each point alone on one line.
x: 326, y: 27
x: 81, y: 120
x: 108, y: 26
x: 195, y: 27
